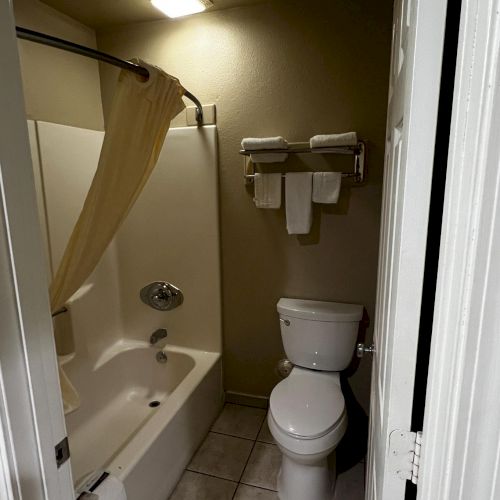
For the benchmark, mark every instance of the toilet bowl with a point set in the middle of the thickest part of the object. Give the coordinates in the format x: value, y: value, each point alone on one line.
x: 307, y: 415
x: 307, y: 419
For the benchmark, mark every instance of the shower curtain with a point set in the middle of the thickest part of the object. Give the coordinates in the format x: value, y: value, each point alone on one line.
x: 138, y: 123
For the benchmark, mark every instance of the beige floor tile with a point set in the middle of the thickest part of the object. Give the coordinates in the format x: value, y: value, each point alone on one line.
x: 351, y: 484
x: 265, y: 435
x: 240, y: 421
x: 245, y: 492
x: 263, y: 466
x: 193, y: 486
x: 222, y: 456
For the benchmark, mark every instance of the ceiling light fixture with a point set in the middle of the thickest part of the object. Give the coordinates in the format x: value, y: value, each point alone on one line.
x: 179, y: 8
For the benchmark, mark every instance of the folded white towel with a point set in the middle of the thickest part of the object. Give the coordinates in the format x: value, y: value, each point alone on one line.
x: 266, y: 143
x: 326, y: 187
x: 111, y: 489
x: 267, y: 190
x: 298, y: 191
x: 334, y: 140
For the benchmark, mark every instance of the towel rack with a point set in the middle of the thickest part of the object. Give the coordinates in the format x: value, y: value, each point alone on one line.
x: 358, y: 173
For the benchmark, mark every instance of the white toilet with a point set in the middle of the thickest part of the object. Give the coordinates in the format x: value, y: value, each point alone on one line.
x: 307, y: 415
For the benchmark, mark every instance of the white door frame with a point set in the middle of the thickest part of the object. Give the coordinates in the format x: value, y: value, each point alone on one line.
x: 461, y: 446
x: 31, y: 412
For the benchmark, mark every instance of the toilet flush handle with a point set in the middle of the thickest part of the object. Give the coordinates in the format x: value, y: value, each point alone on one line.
x: 361, y: 349
x: 285, y: 322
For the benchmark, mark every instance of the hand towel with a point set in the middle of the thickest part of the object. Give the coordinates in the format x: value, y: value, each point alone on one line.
x: 326, y: 187
x: 266, y: 143
x: 111, y: 489
x: 298, y: 194
x: 334, y: 140
x: 267, y: 190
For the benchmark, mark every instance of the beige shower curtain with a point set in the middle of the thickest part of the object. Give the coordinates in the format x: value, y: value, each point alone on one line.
x: 136, y: 128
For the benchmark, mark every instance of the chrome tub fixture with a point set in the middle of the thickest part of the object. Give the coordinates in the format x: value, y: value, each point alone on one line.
x: 157, y: 335
x: 161, y: 357
x: 161, y: 296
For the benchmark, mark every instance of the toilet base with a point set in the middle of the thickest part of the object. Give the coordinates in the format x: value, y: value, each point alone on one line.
x: 298, y: 481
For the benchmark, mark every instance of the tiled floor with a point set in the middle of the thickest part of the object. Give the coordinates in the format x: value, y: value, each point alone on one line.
x: 239, y: 460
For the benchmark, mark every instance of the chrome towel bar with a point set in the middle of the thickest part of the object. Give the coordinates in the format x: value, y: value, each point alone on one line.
x: 358, y: 172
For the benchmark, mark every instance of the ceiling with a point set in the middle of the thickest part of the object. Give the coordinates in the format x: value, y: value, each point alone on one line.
x: 100, y: 13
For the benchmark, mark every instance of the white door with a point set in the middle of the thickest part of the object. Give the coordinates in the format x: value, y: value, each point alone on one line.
x: 418, y: 32
x: 31, y: 414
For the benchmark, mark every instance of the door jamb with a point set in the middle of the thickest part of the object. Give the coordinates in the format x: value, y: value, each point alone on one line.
x: 31, y: 412
x: 461, y: 429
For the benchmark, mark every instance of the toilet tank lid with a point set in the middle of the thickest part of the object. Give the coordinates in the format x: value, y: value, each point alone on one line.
x: 319, y: 311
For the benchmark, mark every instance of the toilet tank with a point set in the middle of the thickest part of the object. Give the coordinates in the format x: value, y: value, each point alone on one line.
x: 319, y: 335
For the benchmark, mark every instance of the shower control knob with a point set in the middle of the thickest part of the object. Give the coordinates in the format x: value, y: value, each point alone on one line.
x: 161, y: 296
x: 361, y: 349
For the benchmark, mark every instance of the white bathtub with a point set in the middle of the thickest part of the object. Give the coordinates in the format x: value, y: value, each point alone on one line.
x: 115, y: 428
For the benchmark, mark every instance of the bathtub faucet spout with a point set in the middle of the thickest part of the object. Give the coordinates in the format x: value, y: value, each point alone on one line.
x: 157, y: 335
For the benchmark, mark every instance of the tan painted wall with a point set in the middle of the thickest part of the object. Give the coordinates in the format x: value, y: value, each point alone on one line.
x: 295, y: 69
x: 58, y: 86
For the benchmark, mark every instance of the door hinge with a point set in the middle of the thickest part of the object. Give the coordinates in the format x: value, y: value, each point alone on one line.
x: 404, y: 454
x: 62, y: 452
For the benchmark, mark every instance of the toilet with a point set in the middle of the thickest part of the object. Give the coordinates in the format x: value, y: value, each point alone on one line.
x: 307, y: 415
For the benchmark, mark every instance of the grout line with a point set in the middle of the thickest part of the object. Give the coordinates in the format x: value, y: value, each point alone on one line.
x: 232, y: 435
x: 246, y: 406
x: 258, y: 487
x: 211, y: 475
x: 249, y: 455
x: 245, y: 467
x: 260, y: 427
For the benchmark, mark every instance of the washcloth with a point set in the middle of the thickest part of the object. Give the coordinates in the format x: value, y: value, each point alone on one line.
x: 298, y: 194
x: 326, y: 187
x: 265, y: 143
x: 334, y: 140
x: 267, y: 190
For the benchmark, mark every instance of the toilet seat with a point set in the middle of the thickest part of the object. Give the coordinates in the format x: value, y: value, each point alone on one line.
x: 308, y: 404
x: 307, y: 412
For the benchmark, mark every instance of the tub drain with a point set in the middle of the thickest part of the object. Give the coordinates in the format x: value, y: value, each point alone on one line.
x: 154, y: 404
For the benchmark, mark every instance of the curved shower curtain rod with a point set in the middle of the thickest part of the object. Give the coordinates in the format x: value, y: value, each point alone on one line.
x: 59, y: 43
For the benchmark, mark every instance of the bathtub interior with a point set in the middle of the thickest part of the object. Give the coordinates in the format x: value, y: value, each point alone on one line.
x: 132, y: 387
x: 171, y: 234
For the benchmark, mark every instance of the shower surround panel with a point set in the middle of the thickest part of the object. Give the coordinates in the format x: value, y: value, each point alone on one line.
x: 171, y: 234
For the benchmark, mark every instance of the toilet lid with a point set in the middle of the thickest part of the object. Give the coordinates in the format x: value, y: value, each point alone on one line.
x: 307, y: 405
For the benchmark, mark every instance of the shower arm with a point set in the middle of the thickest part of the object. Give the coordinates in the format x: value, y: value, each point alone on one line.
x: 59, y: 43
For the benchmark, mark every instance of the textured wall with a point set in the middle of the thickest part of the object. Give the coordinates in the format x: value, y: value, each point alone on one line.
x: 59, y: 87
x: 295, y: 69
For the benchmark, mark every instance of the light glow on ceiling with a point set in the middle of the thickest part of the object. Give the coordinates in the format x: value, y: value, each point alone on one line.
x: 179, y: 8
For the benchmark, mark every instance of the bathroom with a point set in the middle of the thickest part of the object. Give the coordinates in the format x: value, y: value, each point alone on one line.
x: 261, y: 68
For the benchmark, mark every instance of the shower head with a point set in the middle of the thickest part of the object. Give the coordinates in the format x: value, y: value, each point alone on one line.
x: 161, y: 296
